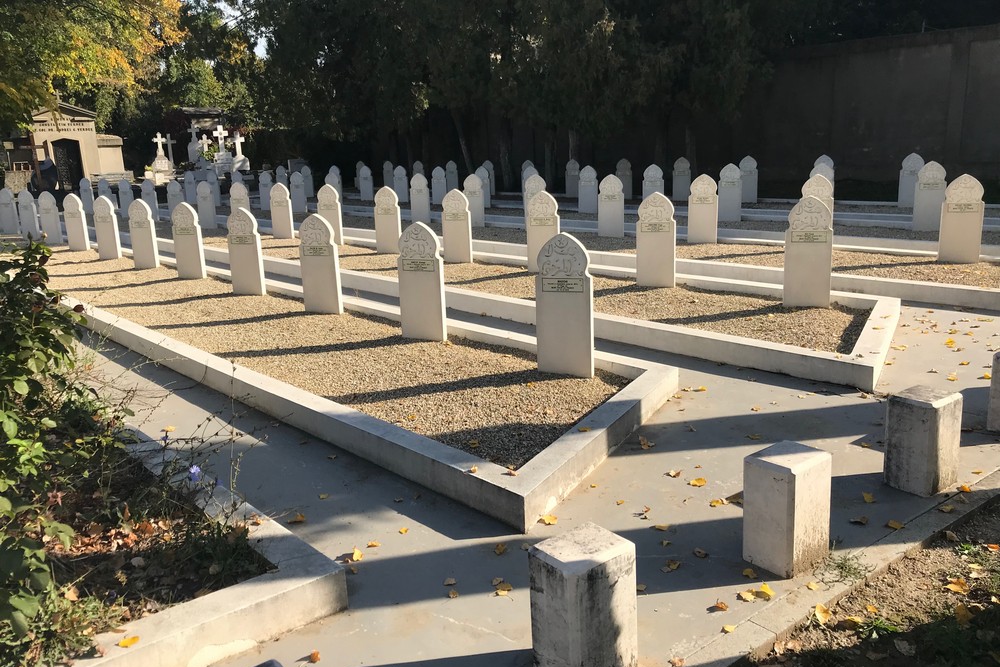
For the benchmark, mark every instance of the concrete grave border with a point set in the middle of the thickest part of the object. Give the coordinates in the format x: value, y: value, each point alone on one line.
x: 305, y: 587
x: 517, y: 500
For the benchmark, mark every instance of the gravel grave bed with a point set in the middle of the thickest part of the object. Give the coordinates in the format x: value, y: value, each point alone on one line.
x: 488, y: 400
x: 833, y: 329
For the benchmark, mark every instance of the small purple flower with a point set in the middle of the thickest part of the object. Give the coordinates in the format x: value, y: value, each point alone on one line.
x: 194, y: 473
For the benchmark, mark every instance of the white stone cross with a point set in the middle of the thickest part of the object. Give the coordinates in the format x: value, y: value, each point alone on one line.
x: 193, y: 131
x: 238, y: 141
x: 159, y: 141
x: 221, y: 134
x: 170, y: 148
x: 204, y: 143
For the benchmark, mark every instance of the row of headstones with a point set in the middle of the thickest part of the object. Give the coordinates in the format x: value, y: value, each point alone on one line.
x: 786, y: 530
x: 480, y: 186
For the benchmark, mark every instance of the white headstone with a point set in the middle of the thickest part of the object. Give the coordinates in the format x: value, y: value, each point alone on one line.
x: 365, y: 185
x: 542, y: 225
x: 307, y: 182
x: 297, y: 193
x: 48, y: 218
x: 87, y: 195
x: 652, y: 181
x: 493, y: 178
x: 76, y: 223
x: 357, y: 172
x: 236, y: 177
x: 962, y: 213
x: 213, y: 180
x: 623, y: 170
x: 528, y: 173
x: 104, y: 189
x: 532, y: 186
x: 190, y: 188
x: 206, y: 206
x: 748, y: 175
x: 474, y: 193
x: 281, y: 175
x: 282, y: 224
x: 148, y: 190
x: 439, y: 186
x: 703, y: 211
x: 730, y: 194
x: 388, y: 225
x: 656, y: 242
x: 246, y: 261
x: 240, y: 161
x: 387, y: 174
x: 823, y: 170
x: 611, y: 208
x: 188, y: 251
x: 682, y: 179
x: 109, y: 244
x: 320, y: 266
x: 142, y: 232
x: 264, y: 185
x: 587, y: 197
x: 572, y: 178
x: 819, y: 186
x: 9, y: 222
x: 328, y: 208
x: 912, y: 164
x: 456, y: 228
x: 175, y: 195
x: 400, y: 184
x: 418, y: 168
x: 239, y: 197
x: 125, y: 196
x: 928, y: 197
x: 824, y: 160
x: 420, y: 199
x: 333, y: 180
x: 421, y: 284
x: 27, y: 211
x: 564, y: 307
x: 484, y: 176
x: 451, y: 174
x: 808, y: 255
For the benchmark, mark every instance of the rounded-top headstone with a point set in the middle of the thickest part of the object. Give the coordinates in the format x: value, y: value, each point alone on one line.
x: 451, y: 166
x: 71, y: 203
x: 139, y: 210
x: 279, y: 192
x: 703, y: 186
x: 147, y: 186
x: 437, y: 173
x: 963, y: 190
x: 418, y: 241
x: 932, y: 172
x: 358, y: 165
x: 85, y: 183
x: 912, y: 163
x: 6, y: 196
x: 327, y: 195
x: 387, y: 165
x: 573, y: 165
x: 535, y: 183
x: 25, y: 197
x: 455, y: 200
x: 730, y: 173
x: 365, y: 171
x: 810, y: 214
x: 174, y: 187
x: 823, y: 170
x: 265, y: 178
x: 204, y: 188
x: 238, y: 190
x: 46, y: 202
x: 652, y: 173
x: 296, y: 178
x: 419, y: 181
x: 399, y: 171
x: 184, y: 215
x: 682, y: 164
x: 611, y: 185
x: 528, y: 173
x: 526, y: 164
x: 748, y: 164
x: 315, y: 231
x: 103, y: 207
x: 542, y: 205
x: 334, y: 169
x: 386, y: 196
x: 657, y: 207
x: 563, y: 256
x: 623, y: 165
x: 483, y: 173
x: 588, y: 175
x: 242, y: 223
x: 824, y: 159
x: 472, y: 183
x: 818, y: 185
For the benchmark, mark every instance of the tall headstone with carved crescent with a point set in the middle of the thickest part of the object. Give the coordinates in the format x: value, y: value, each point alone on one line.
x: 703, y: 211
x: 320, y: 266
x: 246, y: 261
x: 543, y: 224
x: 76, y: 223
x: 962, y: 213
x: 188, y: 250
x: 142, y: 231
x: 611, y: 207
x: 456, y: 227
x: 421, y: 284
x: 388, y: 225
x: 912, y: 164
x: 564, y: 308
x: 109, y: 243
x: 656, y: 243
x: 328, y: 207
x: 928, y: 197
x: 808, y: 255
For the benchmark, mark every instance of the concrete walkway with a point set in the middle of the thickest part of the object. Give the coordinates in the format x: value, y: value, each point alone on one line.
x: 400, y: 612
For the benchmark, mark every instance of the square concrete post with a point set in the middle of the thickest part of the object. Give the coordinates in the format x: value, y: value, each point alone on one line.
x: 993, y: 411
x: 922, y: 431
x: 583, y: 606
x: 786, y: 507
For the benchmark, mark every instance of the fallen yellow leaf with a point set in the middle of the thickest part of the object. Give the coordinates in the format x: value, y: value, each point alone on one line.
x: 895, y: 525
x: 958, y: 585
x: 700, y: 389
x: 860, y: 520
x: 750, y: 573
x: 728, y: 628
x: 499, y: 549
x: 450, y: 581
x: 356, y: 555
x: 963, y: 363
x: 404, y: 531
x: 314, y: 657
x: 813, y: 585
x: 977, y: 472
x: 718, y: 502
x: 645, y: 443
x: 852, y: 622
x: 583, y: 429
x: 548, y: 519
x: 985, y: 376
x: 673, y: 473
x: 964, y: 488
x: 374, y: 543
x: 869, y: 497
x: 698, y: 481
x: 950, y: 342
x: 720, y: 606
x: 871, y: 609
x: 822, y: 614
x: 128, y: 641
x: 952, y: 377
x: 747, y: 596
x: 993, y: 547
x: 453, y: 593
x: 700, y: 553
x: 324, y: 496
x: 765, y: 592
x: 619, y: 502
x: 962, y: 614
x: 474, y: 469
x: 661, y: 526
x: 754, y: 436
x: 671, y: 566
x: 947, y: 509
x: 298, y: 518
x: 641, y: 588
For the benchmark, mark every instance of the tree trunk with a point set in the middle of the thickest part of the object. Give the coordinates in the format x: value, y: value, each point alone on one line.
x: 462, y: 142
x: 690, y: 147
x: 660, y: 147
x: 550, y: 157
x: 574, y: 146
x: 504, y: 145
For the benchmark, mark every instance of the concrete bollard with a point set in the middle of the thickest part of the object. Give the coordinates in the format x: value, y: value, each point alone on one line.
x: 922, y: 431
x: 786, y: 507
x: 583, y: 606
x: 993, y: 410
